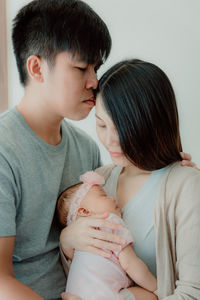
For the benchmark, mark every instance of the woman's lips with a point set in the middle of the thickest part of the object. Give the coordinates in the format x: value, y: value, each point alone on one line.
x: 116, y: 154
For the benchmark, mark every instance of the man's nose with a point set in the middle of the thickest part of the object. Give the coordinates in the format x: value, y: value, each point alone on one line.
x: 92, y: 81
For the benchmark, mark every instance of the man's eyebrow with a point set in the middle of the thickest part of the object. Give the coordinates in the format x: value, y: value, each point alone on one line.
x: 97, y: 64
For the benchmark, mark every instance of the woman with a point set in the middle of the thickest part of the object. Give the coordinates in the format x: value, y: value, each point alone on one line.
x: 137, y: 121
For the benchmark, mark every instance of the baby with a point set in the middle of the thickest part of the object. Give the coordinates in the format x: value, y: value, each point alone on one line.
x: 92, y: 276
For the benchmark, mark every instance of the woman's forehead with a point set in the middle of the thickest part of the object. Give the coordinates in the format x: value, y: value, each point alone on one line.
x: 101, y: 112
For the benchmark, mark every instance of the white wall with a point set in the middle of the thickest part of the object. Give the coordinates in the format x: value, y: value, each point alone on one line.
x: 15, y: 90
x: 166, y: 33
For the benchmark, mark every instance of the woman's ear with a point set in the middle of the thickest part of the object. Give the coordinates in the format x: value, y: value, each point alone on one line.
x: 83, y: 212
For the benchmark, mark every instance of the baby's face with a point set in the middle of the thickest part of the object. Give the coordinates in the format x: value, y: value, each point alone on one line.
x: 96, y: 201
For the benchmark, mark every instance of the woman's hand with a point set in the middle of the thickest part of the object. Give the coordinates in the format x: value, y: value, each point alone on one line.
x: 187, y: 160
x: 67, y: 296
x: 84, y: 235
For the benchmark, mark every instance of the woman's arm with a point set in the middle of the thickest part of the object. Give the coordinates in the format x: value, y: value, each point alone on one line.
x: 182, y: 223
x: 137, y: 269
x: 83, y: 234
x: 188, y: 240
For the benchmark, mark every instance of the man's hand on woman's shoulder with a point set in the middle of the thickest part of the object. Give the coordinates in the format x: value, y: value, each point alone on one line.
x: 187, y: 160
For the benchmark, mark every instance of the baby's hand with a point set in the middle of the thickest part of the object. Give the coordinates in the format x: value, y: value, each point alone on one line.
x: 67, y: 296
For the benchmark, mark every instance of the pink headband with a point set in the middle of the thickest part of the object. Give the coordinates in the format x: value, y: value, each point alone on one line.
x: 89, y: 179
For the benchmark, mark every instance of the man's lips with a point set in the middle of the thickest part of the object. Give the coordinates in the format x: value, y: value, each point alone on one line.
x: 90, y: 101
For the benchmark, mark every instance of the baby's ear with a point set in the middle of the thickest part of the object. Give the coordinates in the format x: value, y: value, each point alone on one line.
x: 83, y: 212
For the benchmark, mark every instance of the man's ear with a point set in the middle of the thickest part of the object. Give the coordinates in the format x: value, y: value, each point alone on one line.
x: 34, y: 64
x: 83, y: 212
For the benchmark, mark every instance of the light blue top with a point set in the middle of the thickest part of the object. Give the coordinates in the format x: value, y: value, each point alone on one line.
x: 32, y: 175
x: 138, y: 214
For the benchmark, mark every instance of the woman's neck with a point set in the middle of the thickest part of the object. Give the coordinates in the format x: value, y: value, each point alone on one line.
x: 130, y: 181
x: 132, y: 171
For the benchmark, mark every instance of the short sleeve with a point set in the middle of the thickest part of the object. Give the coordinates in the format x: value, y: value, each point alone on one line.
x: 7, y: 199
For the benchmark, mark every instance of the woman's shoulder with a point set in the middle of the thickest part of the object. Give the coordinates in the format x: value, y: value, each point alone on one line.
x: 181, y: 181
x: 179, y: 173
x: 180, y: 189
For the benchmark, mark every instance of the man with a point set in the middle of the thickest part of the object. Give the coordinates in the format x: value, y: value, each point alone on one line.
x: 58, y: 45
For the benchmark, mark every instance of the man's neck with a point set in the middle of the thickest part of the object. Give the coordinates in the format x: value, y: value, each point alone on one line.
x: 40, y: 119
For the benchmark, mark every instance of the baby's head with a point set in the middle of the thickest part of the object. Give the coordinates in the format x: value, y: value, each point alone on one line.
x: 85, y: 199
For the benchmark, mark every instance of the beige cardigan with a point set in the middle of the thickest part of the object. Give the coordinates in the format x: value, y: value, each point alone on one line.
x: 177, y: 227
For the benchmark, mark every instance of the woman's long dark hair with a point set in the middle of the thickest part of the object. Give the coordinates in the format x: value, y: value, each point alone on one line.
x: 139, y: 98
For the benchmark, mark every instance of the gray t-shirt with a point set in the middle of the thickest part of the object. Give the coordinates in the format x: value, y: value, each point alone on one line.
x: 32, y: 176
x: 138, y: 214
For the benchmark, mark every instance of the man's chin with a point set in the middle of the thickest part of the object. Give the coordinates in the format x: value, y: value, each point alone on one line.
x: 78, y: 117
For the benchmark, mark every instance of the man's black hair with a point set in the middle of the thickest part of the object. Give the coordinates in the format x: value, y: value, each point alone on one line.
x: 47, y: 27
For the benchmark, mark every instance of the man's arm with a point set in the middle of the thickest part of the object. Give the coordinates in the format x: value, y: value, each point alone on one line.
x: 10, y: 288
x: 136, y: 269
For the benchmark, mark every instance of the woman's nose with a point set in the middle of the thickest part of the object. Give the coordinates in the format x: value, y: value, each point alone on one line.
x: 112, y: 138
